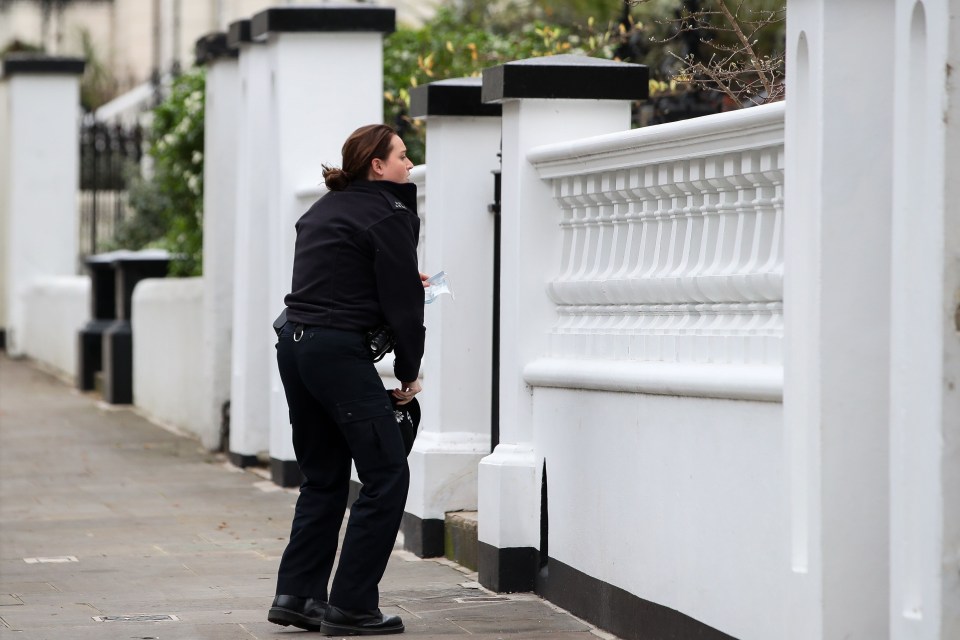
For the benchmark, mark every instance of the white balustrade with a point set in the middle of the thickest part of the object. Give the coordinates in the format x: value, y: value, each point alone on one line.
x: 671, y: 237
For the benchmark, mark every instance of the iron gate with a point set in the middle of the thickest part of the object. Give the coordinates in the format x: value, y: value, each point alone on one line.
x: 109, y: 155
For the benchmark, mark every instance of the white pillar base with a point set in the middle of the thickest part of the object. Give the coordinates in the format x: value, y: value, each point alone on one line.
x: 509, y: 523
x: 443, y: 476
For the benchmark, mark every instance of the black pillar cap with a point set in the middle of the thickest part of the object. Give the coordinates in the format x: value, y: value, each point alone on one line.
x: 107, y: 258
x: 38, y: 63
x: 239, y: 33
x: 141, y: 263
x: 126, y: 255
x: 212, y: 47
x: 566, y: 77
x: 456, y: 97
x: 323, y: 19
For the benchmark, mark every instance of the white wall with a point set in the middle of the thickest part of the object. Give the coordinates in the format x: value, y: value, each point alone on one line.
x: 168, y: 383
x: 676, y: 500
x: 58, y: 307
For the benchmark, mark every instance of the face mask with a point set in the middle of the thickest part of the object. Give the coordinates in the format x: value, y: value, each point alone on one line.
x: 436, y: 285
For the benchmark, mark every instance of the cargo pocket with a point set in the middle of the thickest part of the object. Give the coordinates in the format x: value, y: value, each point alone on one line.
x: 364, y: 408
x: 370, y: 429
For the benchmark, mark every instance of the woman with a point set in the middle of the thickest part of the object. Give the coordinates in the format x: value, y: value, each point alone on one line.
x: 354, y: 269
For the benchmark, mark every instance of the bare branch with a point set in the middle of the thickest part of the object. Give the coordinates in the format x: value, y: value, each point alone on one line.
x: 735, y: 69
x: 747, y: 47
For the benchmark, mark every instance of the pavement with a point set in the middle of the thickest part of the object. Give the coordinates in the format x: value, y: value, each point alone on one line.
x: 114, y: 527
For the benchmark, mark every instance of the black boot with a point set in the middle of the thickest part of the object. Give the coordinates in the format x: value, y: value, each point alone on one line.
x: 303, y: 613
x: 338, y: 622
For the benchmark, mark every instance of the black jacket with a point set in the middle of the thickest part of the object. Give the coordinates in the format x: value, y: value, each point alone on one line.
x: 355, y: 266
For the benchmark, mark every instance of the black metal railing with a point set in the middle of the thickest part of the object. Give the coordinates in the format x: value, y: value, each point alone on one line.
x: 494, y: 208
x: 109, y: 155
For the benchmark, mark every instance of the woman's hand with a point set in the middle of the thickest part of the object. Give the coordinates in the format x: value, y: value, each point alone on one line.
x: 407, y: 391
x: 423, y: 279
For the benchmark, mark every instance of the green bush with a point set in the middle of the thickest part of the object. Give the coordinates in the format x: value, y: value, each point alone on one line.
x: 176, y: 146
x: 168, y: 204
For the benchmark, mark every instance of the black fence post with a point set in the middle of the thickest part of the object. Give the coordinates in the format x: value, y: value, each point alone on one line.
x: 107, y: 154
x: 495, y: 327
x: 95, y: 183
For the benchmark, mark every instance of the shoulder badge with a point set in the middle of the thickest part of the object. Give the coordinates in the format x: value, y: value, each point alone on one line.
x: 394, y: 202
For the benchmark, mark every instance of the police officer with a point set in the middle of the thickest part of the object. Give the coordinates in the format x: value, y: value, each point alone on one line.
x: 354, y: 269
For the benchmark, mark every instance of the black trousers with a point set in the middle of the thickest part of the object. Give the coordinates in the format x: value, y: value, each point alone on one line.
x: 340, y: 411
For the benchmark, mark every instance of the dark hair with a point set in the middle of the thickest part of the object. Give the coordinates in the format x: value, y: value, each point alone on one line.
x: 366, y: 143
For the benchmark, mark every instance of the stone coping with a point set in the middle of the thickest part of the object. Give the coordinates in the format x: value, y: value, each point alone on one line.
x: 238, y: 33
x: 456, y: 97
x: 214, y: 46
x: 566, y: 77
x: 37, y: 63
x: 323, y: 19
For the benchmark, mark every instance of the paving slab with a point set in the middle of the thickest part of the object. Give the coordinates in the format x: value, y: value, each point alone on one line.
x: 106, y: 518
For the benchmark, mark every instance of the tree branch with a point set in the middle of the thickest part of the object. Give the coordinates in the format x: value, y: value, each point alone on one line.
x: 748, y: 47
x: 738, y: 71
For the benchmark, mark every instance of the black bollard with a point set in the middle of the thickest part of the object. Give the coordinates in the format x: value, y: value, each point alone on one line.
x: 103, y: 312
x: 129, y: 268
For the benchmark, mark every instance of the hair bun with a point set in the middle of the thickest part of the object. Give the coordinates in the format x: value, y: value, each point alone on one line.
x: 335, y: 178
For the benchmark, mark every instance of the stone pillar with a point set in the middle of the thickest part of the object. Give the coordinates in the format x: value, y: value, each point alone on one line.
x: 925, y: 324
x: 219, y: 224
x: 39, y: 178
x: 544, y: 100
x: 326, y: 79
x: 837, y: 316
x: 463, y: 143
x: 252, y: 350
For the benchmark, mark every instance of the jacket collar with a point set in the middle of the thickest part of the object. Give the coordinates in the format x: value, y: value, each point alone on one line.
x: 405, y: 192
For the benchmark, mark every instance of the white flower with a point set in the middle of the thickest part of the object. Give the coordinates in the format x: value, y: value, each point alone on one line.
x: 184, y: 125
x: 194, y: 102
x: 197, y: 157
